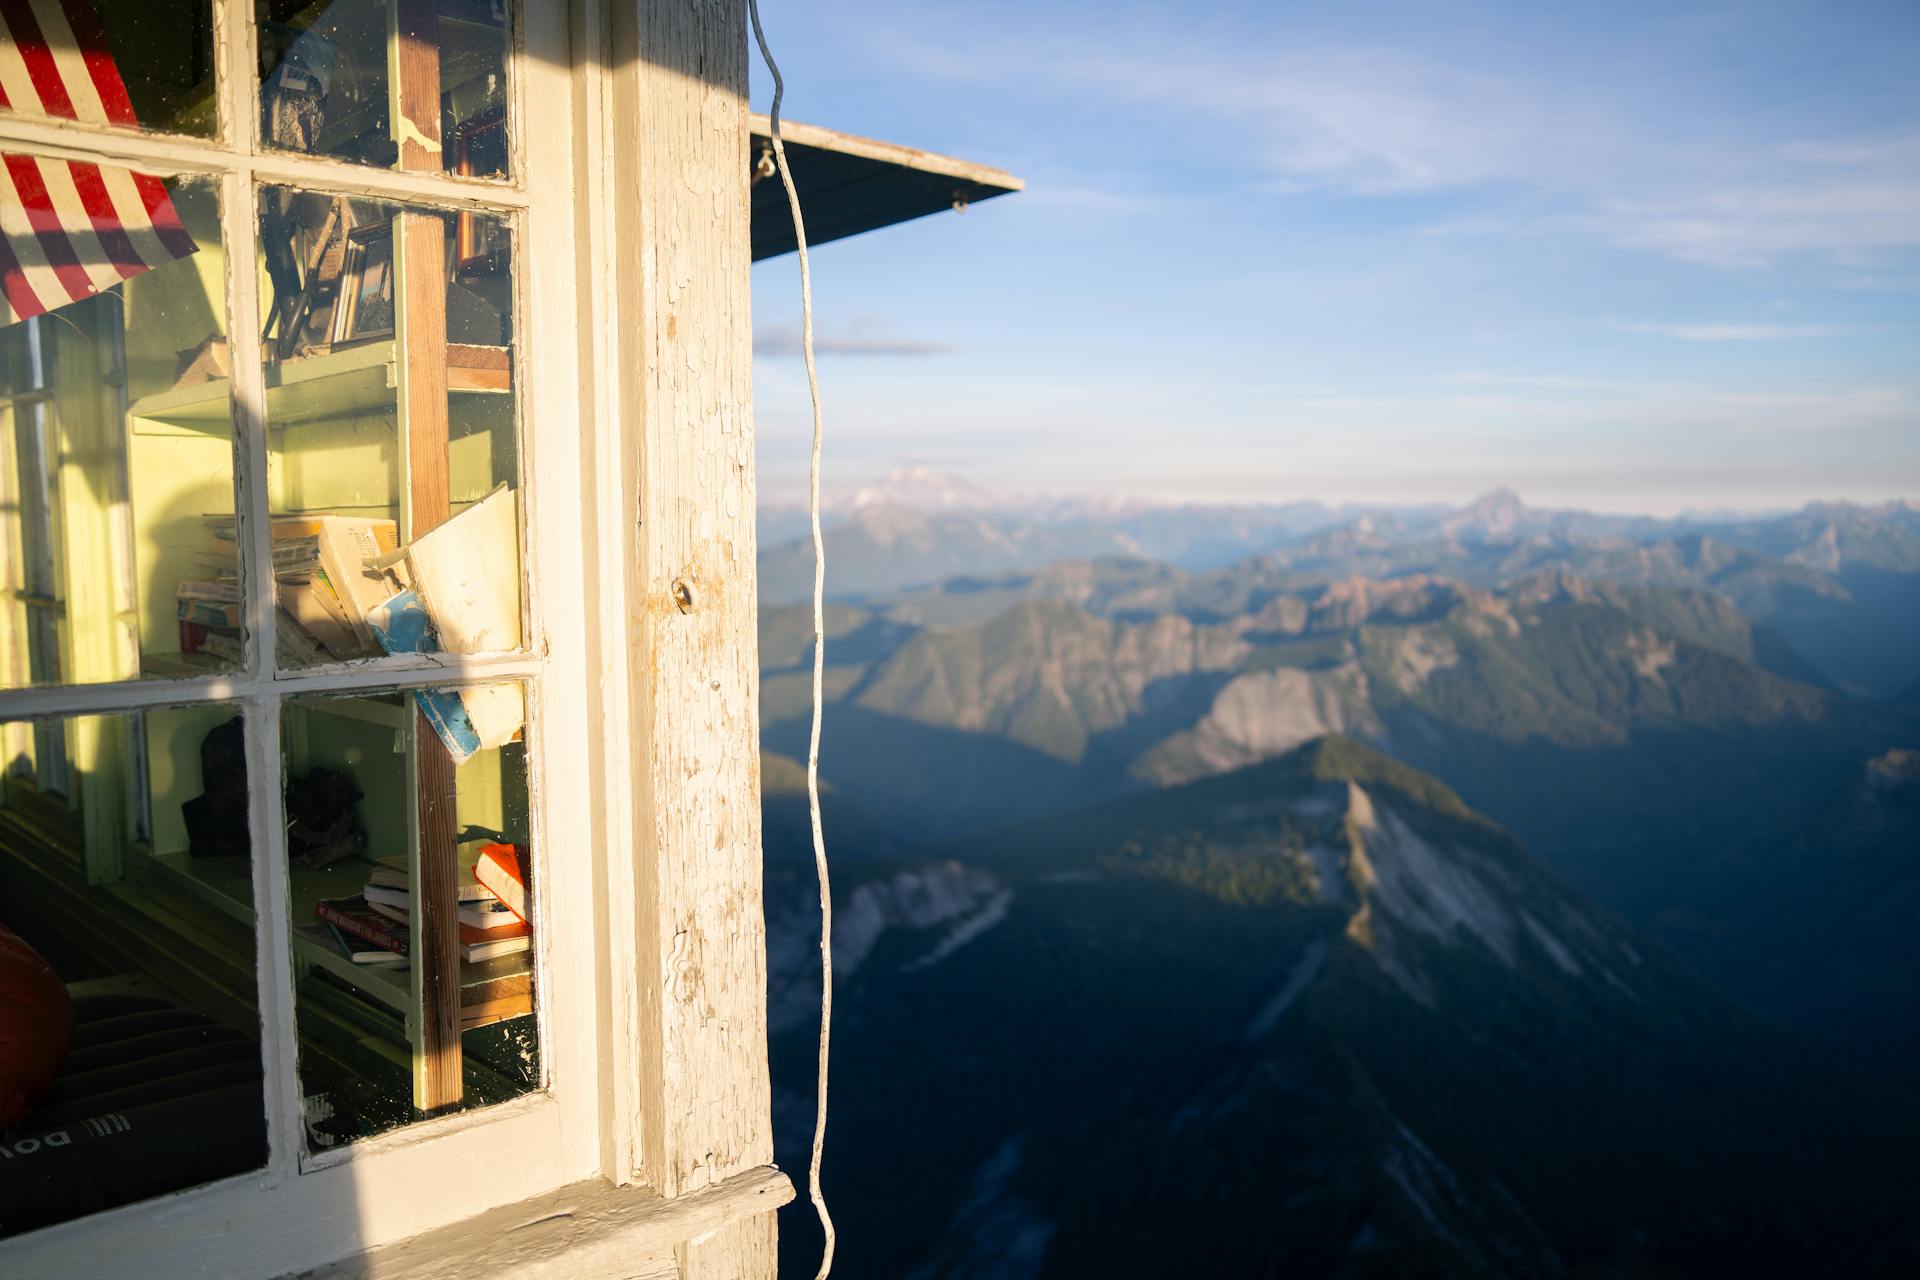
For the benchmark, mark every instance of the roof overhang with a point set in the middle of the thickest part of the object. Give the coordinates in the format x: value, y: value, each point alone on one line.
x: 848, y: 185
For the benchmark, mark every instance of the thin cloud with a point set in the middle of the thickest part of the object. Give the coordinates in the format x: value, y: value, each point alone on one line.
x: 1741, y: 415
x: 784, y: 342
x: 1540, y: 381
x: 1731, y: 332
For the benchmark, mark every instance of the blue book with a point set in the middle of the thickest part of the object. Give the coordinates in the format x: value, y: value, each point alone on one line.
x: 401, y: 625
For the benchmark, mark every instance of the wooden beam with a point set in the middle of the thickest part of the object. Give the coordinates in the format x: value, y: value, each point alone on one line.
x: 420, y: 324
x: 679, y: 230
x: 413, y: 82
x: 892, y: 153
x: 748, y: 1247
x: 588, y: 1231
x: 420, y: 336
x: 421, y: 359
x: 438, y: 1078
x: 420, y: 364
x: 851, y: 185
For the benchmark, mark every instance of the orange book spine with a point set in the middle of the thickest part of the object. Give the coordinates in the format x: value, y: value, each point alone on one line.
x: 500, y: 872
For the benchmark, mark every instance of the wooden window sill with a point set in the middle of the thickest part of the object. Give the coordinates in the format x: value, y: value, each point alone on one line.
x: 584, y: 1231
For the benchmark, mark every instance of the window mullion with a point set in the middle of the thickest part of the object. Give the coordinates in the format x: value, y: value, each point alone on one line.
x: 266, y: 822
x: 236, y: 46
x: 169, y: 155
x: 40, y: 702
x: 266, y: 829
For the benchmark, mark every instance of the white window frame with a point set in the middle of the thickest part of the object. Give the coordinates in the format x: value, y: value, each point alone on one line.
x: 300, y: 1211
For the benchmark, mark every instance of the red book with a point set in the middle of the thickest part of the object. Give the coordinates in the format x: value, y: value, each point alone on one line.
x: 354, y: 917
x: 364, y: 920
x: 499, y: 869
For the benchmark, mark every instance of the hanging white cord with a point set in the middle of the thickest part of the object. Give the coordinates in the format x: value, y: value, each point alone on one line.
x: 819, y: 650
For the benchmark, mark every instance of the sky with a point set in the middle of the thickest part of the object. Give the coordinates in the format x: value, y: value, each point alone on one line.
x: 1624, y: 257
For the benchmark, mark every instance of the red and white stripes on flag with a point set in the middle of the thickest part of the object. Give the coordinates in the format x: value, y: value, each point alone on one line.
x: 70, y: 229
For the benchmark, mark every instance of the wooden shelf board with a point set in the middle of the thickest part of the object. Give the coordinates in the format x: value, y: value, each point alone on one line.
x: 176, y: 665
x: 387, y: 713
x: 353, y: 381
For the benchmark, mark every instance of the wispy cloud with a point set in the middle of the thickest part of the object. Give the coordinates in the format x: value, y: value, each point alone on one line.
x: 1730, y: 332
x: 784, y: 341
x: 1849, y: 197
x: 1598, y: 156
x: 1729, y: 414
x: 1540, y: 381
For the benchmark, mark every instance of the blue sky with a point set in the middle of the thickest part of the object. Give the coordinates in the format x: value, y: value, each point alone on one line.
x: 1617, y: 256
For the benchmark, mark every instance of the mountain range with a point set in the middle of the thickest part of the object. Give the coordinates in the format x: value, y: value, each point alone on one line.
x: 1453, y: 891
x: 1528, y: 700
x: 1834, y: 580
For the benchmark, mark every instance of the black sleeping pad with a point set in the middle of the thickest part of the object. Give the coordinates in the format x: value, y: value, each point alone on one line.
x: 50, y: 1172
x: 153, y: 1098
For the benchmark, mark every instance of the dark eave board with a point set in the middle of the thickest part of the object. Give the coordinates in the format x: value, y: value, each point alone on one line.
x: 849, y: 185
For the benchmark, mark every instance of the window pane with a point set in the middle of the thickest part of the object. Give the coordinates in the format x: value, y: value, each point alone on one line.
x: 370, y: 449
x: 129, y: 1027
x: 328, y: 86
x: 357, y: 845
x: 117, y: 557
x: 139, y: 63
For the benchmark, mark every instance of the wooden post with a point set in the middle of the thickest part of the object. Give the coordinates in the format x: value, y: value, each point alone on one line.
x: 420, y: 360
x: 413, y: 82
x: 684, y: 399
x: 741, y: 1249
x: 420, y: 366
x: 436, y: 938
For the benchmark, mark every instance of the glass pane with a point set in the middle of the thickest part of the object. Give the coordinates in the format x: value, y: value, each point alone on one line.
x: 129, y: 1018
x: 356, y: 840
x: 328, y: 83
x: 139, y: 63
x: 371, y: 451
x: 117, y: 557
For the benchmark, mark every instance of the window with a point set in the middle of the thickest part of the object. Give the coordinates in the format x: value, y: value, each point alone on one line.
x: 277, y: 690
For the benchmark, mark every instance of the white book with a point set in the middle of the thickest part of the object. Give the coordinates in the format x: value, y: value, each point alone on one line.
x: 397, y: 903
x: 465, y: 574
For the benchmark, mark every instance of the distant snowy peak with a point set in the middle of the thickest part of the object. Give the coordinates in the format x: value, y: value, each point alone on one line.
x: 1500, y: 514
x: 925, y: 489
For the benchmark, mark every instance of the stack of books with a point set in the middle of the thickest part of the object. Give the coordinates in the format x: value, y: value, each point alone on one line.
x: 375, y: 926
x: 323, y: 567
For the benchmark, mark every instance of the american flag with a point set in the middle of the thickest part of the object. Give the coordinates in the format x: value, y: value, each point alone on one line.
x: 70, y: 229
